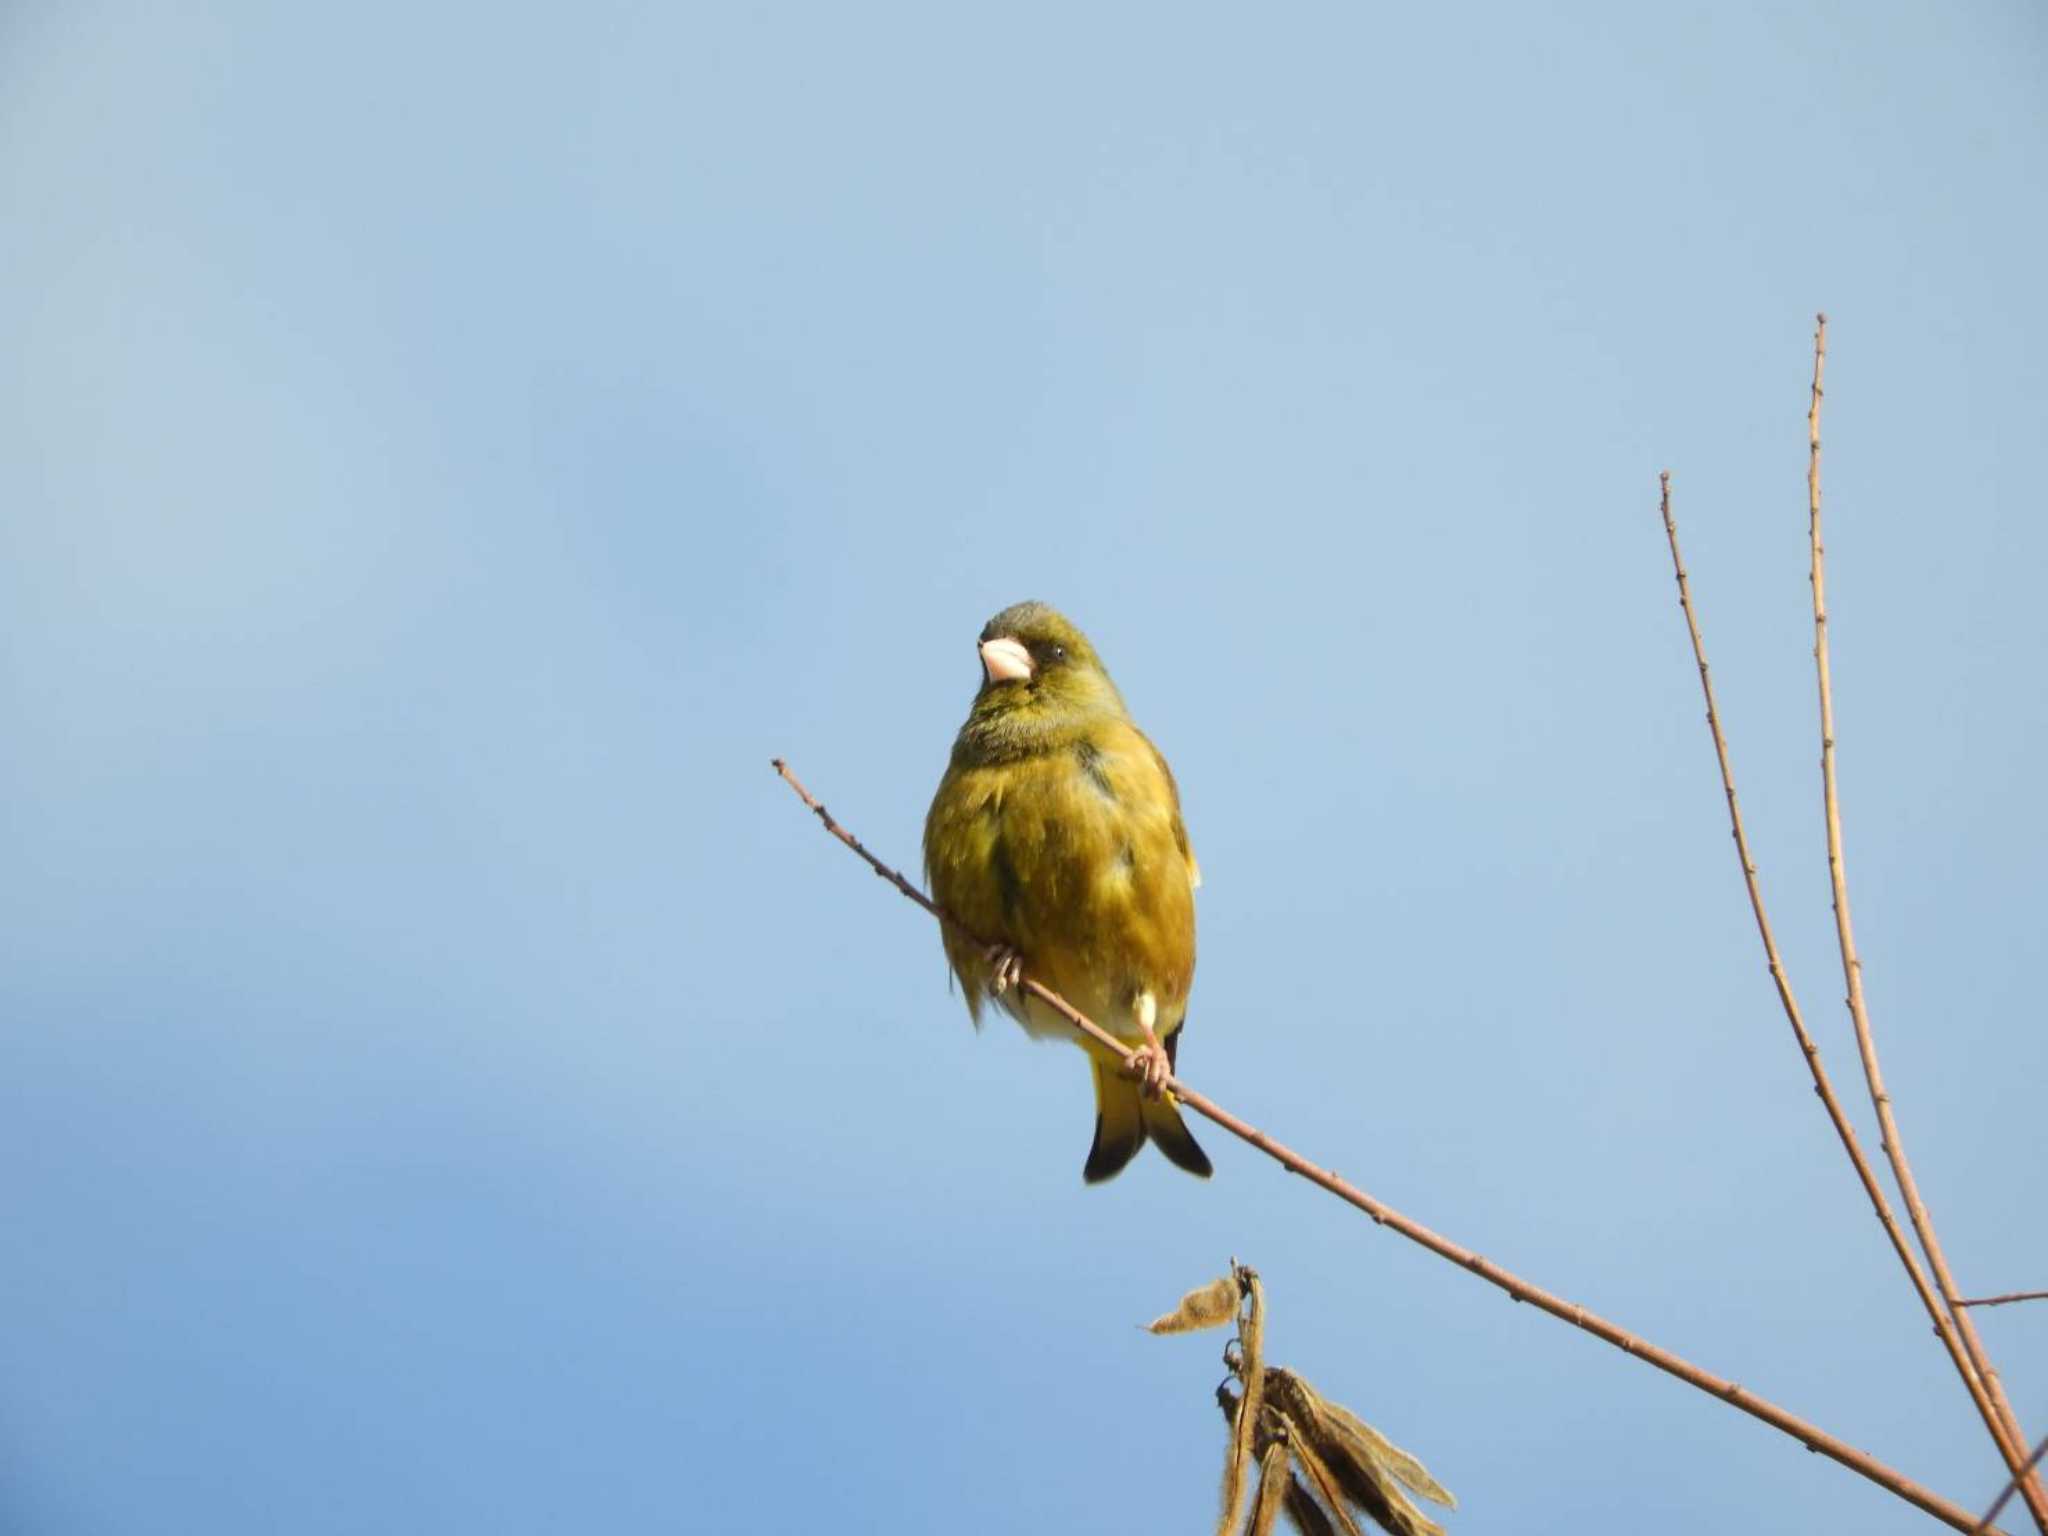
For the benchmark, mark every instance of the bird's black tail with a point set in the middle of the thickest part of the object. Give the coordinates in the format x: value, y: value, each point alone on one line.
x: 1125, y: 1118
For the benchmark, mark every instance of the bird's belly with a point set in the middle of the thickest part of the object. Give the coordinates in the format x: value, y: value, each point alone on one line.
x: 1117, y: 1016
x: 1086, y: 880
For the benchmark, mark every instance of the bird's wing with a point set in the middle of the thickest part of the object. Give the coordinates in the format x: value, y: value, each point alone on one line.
x: 1180, y: 831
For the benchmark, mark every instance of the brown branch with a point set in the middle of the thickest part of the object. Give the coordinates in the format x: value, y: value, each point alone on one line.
x: 2013, y: 1441
x: 1944, y: 1326
x: 2000, y: 1301
x: 1810, y: 1435
x: 2011, y: 1487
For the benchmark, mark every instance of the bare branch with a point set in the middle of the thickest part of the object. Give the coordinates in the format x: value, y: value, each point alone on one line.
x: 2000, y: 1301
x: 1812, y: 1436
x: 2011, y: 1487
x: 1944, y: 1326
x: 2011, y: 1442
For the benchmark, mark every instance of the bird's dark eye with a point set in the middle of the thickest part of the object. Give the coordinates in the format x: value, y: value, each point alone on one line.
x: 1058, y: 653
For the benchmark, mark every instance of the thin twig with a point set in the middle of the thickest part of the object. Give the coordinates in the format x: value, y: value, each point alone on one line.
x: 2011, y: 1487
x: 1944, y: 1327
x: 2013, y: 1440
x: 2000, y: 1301
x: 1810, y: 1435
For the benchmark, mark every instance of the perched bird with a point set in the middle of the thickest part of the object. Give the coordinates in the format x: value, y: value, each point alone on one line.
x: 1055, y: 838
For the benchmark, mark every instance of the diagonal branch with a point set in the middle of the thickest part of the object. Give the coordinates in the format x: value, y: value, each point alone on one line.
x: 1810, y: 1435
x: 2013, y: 1441
x: 2012, y: 1486
x: 2010, y: 1451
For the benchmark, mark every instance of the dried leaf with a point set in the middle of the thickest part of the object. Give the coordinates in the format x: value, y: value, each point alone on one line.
x: 1329, y: 1493
x: 1348, y: 1468
x: 1207, y: 1306
x: 1250, y: 1333
x: 1306, y: 1514
x: 1410, y: 1472
x: 1231, y: 1496
x: 1273, y: 1480
x: 1349, y: 1457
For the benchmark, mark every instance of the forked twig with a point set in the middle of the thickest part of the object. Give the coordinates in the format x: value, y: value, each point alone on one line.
x: 1812, y: 1436
x: 2011, y: 1487
x: 2013, y: 1441
x: 1944, y: 1326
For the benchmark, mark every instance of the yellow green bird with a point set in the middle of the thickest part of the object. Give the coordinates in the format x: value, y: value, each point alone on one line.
x: 1056, y: 839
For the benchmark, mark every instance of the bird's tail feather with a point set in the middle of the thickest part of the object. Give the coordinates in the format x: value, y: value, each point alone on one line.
x: 1124, y: 1118
x: 1171, y: 1135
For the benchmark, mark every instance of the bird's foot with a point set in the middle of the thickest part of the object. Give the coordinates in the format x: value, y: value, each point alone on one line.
x: 1152, y: 1068
x: 1006, y: 968
x: 1150, y: 1061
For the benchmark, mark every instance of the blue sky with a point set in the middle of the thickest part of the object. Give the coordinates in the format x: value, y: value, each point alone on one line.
x: 447, y: 1084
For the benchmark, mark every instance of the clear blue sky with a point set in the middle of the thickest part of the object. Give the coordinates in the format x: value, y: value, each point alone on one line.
x: 447, y: 1085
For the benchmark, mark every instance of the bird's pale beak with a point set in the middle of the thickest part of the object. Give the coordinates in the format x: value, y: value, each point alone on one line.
x: 1004, y: 659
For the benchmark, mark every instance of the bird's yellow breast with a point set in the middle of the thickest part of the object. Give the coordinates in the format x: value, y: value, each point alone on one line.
x: 1074, y: 856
